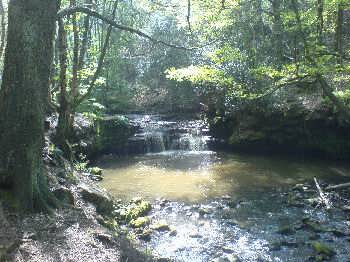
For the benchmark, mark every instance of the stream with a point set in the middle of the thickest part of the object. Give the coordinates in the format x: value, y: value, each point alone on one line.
x: 226, y: 206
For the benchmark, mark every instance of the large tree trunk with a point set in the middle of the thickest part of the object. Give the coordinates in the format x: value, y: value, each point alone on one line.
x: 23, y: 99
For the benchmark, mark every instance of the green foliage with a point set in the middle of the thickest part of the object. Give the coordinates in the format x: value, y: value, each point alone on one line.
x: 248, y: 51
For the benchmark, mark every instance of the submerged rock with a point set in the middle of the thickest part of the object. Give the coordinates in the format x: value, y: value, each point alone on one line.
x: 346, y: 208
x: 322, y: 248
x: 146, y: 234
x: 161, y: 226
x: 230, y: 258
x: 229, y: 250
x: 313, y: 225
x: 204, y: 211
x: 195, y: 235
x: 173, y: 232
x: 286, y: 230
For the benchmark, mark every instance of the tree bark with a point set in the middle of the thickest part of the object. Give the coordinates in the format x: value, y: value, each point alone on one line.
x: 339, y: 32
x: 80, y: 99
x: 64, y: 126
x: 74, y: 83
x: 277, y: 30
x: 23, y: 99
x: 3, y: 29
x: 320, y: 20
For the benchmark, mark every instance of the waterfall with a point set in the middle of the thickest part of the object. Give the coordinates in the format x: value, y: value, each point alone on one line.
x: 156, y: 135
x: 154, y: 142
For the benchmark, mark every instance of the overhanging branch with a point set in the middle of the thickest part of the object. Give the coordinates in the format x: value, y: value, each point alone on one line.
x: 80, y: 9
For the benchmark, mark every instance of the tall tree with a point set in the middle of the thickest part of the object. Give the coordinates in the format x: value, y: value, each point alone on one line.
x: 23, y: 99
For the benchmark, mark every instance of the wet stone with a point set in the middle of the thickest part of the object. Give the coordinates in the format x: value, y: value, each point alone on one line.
x: 322, y: 248
x: 229, y: 250
x: 160, y: 226
x: 286, y: 230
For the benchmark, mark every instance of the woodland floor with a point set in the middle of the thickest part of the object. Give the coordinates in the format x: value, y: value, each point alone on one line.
x: 71, y: 234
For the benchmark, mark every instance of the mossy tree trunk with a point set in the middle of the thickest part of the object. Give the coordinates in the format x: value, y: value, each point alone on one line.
x: 23, y: 99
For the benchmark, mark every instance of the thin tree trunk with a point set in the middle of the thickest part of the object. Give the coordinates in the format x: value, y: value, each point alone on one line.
x: 23, y: 99
x: 320, y: 20
x: 326, y: 88
x: 85, y: 40
x: 277, y: 30
x: 100, y: 62
x: 74, y: 83
x: 339, y: 32
x: 3, y: 29
x: 63, y: 132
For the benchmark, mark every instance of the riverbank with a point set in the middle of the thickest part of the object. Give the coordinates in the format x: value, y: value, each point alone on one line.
x: 83, y: 228
x: 298, y: 125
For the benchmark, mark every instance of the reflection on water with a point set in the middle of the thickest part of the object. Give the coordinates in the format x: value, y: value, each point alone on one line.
x: 199, y: 179
x: 203, y: 175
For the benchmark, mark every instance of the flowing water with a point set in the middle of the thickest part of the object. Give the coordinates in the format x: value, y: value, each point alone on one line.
x: 223, y: 204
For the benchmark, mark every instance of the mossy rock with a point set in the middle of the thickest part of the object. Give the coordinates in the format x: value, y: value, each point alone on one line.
x: 65, y: 195
x: 161, y: 226
x: 314, y: 226
x: 139, y: 222
x: 137, y: 210
x: 323, y: 249
x: 112, y: 133
x: 204, y: 211
x: 286, y: 230
x: 111, y: 224
x: 96, y: 173
x: 103, y: 203
x: 146, y: 234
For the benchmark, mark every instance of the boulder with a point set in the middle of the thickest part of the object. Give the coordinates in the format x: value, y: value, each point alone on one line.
x: 65, y: 195
x: 103, y: 203
x: 140, y: 222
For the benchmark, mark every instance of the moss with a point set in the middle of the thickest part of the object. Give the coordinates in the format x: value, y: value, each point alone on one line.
x: 8, y: 198
x: 139, y: 222
x: 313, y: 226
x: 111, y: 224
x: 246, y: 136
x: 137, y: 210
x: 322, y: 248
x: 96, y: 171
x: 112, y: 134
x: 161, y: 226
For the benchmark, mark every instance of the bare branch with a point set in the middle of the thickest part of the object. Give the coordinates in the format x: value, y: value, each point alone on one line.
x: 80, y: 99
x: 189, y: 15
x: 79, y: 9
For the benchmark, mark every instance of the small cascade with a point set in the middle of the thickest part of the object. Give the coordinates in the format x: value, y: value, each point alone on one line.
x: 157, y: 135
x: 190, y: 142
x: 154, y: 142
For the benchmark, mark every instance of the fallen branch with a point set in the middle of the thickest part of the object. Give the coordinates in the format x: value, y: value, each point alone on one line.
x: 340, y: 186
x: 322, y: 195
